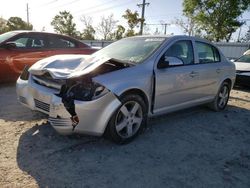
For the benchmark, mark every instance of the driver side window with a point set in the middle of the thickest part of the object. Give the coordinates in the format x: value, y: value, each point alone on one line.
x: 182, y: 50
x: 29, y: 42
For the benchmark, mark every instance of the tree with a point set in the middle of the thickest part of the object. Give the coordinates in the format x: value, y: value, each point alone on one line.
x: 133, y: 21
x: 119, y: 32
x: 63, y: 24
x: 3, y: 26
x: 189, y: 26
x: 16, y: 23
x: 217, y: 18
x: 106, y: 27
x: 246, y: 38
x: 88, y: 31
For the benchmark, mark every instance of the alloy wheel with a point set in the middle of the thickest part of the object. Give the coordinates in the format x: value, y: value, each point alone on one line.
x: 223, y: 97
x: 128, y: 119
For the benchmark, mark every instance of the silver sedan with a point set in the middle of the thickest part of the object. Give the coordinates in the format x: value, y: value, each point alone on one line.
x: 116, y: 89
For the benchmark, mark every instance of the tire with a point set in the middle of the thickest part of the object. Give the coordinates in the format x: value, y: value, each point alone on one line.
x: 221, y: 99
x: 128, y: 120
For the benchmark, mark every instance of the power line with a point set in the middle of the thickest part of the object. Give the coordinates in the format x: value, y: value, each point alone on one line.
x: 51, y: 2
x: 142, y: 14
x: 108, y: 8
x: 162, y: 24
x: 65, y: 4
x: 94, y: 7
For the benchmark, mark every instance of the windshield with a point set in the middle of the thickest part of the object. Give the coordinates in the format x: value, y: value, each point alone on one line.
x: 131, y: 50
x: 6, y: 36
x: 244, y: 59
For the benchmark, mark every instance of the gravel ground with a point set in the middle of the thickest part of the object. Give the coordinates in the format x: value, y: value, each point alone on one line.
x: 191, y: 148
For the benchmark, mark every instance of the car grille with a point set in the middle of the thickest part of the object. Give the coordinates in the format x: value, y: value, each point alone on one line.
x: 42, y: 105
x: 60, y: 121
x: 48, y: 81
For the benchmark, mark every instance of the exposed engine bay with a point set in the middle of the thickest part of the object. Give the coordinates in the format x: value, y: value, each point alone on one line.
x: 83, y: 88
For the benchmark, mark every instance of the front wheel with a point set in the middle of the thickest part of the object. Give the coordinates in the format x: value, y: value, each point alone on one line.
x: 128, y: 120
x: 221, y: 99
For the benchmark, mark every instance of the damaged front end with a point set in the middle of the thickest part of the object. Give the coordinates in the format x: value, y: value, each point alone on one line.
x: 70, y: 94
x: 83, y: 88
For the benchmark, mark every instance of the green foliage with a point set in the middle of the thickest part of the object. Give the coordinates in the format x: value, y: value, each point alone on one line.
x: 217, y: 18
x: 88, y: 31
x: 63, y: 24
x: 119, y: 32
x: 3, y: 26
x: 16, y: 23
x: 133, y: 20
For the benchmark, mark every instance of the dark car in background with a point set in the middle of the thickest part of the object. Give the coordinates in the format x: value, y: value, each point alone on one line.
x: 20, y: 48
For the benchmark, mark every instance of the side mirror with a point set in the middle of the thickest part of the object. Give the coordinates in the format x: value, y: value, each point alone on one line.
x: 168, y: 61
x: 9, y: 45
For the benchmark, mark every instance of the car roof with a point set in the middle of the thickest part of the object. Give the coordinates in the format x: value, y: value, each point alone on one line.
x: 38, y: 32
x: 172, y: 37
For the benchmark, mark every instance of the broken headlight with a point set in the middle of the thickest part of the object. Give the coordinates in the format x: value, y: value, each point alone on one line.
x: 83, y: 91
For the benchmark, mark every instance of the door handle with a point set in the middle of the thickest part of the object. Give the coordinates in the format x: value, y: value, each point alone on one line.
x: 193, y: 74
x: 218, y: 71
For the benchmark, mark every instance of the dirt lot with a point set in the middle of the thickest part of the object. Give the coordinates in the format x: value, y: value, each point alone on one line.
x: 191, y: 148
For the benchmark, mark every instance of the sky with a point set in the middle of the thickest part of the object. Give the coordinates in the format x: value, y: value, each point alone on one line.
x: 41, y: 13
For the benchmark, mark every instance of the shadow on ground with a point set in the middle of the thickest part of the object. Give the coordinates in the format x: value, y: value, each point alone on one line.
x: 191, y: 148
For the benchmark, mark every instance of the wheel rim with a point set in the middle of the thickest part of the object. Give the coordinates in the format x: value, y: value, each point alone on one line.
x: 128, y: 119
x: 223, y: 97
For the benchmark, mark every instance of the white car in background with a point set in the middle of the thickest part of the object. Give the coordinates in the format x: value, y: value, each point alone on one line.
x: 243, y: 69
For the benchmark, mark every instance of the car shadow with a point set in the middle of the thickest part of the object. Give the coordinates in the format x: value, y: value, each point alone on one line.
x: 189, y: 148
x: 11, y: 109
x: 242, y: 88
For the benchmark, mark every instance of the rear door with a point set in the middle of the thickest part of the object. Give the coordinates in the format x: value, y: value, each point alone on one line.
x: 210, y: 69
x: 64, y: 45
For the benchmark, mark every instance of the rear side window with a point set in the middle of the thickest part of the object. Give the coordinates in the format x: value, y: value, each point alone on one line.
x: 207, y: 53
x: 60, y: 42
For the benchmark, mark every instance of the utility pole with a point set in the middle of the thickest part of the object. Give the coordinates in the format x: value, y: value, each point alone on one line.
x: 142, y: 14
x: 27, y: 10
x: 165, y: 28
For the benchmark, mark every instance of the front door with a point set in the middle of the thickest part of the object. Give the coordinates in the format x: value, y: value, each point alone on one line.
x: 29, y: 49
x: 177, y: 84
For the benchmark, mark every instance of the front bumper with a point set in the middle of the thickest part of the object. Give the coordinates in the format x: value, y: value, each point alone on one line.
x: 93, y: 115
x: 243, y: 79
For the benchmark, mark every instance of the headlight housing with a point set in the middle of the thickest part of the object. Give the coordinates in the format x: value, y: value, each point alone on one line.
x: 83, y: 91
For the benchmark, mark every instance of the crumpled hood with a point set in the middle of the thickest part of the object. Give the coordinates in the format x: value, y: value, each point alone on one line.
x: 67, y: 66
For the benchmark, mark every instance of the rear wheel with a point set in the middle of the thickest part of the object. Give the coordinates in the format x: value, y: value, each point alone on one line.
x: 127, y: 122
x: 221, y: 99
